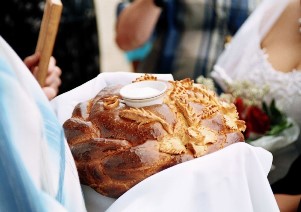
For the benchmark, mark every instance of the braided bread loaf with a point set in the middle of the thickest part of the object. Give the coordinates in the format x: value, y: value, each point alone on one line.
x: 116, y: 146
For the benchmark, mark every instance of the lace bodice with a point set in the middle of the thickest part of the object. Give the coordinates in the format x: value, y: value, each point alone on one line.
x: 245, y: 60
x: 285, y: 88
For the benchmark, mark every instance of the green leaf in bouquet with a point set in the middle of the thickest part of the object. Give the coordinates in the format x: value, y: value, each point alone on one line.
x: 276, y: 115
x: 265, y: 109
x: 276, y: 129
x: 277, y: 118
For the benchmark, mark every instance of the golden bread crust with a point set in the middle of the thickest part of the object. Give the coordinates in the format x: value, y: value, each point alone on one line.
x: 116, y: 146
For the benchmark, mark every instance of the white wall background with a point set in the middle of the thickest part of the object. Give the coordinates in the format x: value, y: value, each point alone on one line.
x: 112, y: 59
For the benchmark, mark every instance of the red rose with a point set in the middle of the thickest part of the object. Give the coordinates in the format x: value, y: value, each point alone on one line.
x: 256, y: 121
x: 239, y: 103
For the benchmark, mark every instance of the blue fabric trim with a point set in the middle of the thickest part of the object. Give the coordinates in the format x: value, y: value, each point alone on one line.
x: 20, y: 193
x: 55, y: 138
x: 15, y: 194
x: 60, y: 194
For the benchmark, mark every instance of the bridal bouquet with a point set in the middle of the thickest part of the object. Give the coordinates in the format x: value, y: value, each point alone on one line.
x: 267, y: 126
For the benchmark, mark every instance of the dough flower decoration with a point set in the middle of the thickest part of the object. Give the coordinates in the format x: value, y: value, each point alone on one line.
x: 261, y: 118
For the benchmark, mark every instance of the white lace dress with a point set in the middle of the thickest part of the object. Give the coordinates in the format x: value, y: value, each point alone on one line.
x: 245, y: 60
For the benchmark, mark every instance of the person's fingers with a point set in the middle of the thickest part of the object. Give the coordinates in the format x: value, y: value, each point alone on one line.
x: 32, y: 60
x: 53, y: 78
x: 58, y: 70
x: 34, y: 71
x: 52, y: 64
x: 53, y: 82
x: 50, y: 92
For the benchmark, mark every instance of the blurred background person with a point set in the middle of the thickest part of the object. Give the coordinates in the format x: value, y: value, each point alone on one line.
x: 188, y: 36
x: 76, y: 48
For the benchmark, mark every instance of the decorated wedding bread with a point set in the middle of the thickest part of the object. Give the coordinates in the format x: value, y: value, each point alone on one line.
x: 123, y: 136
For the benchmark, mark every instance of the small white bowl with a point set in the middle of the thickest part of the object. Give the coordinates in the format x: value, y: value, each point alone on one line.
x: 144, y: 93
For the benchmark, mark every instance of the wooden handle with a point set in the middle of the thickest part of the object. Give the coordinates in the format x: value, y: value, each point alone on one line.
x: 47, y: 35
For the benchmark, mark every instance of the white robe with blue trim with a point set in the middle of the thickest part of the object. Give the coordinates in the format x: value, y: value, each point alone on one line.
x: 37, y: 171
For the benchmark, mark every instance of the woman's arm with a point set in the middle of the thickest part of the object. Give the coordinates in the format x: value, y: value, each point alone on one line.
x: 287, y: 202
x: 136, y: 23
